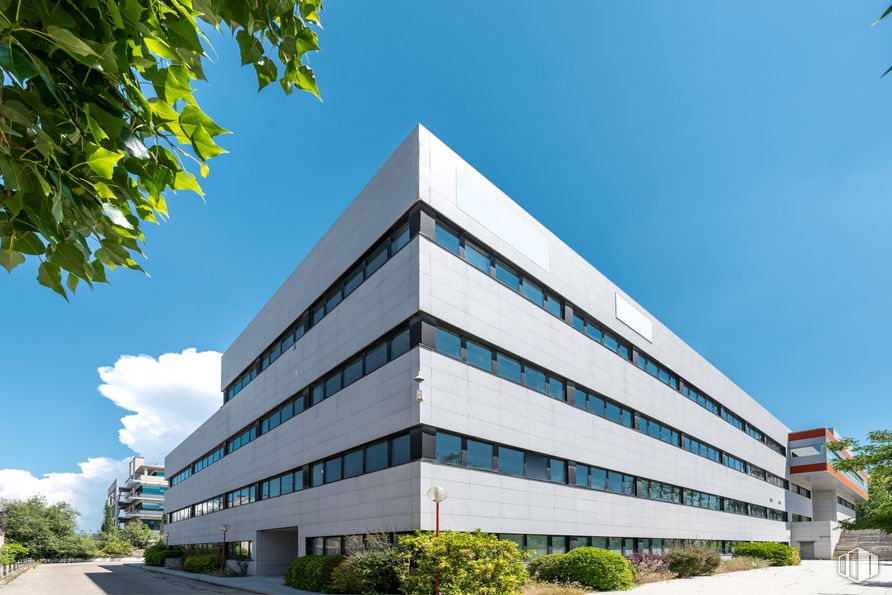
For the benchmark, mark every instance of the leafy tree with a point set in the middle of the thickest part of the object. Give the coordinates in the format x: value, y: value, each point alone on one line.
x: 874, y: 457
x: 98, y: 120
x: 108, y: 522
x: 44, y: 529
x: 11, y: 551
x: 114, y: 545
x: 138, y: 534
x: 76, y: 546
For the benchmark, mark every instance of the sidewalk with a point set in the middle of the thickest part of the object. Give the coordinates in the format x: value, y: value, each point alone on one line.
x: 255, y: 584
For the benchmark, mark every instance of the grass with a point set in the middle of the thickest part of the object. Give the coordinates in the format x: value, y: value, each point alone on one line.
x: 537, y: 588
x: 739, y: 563
x: 653, y: 577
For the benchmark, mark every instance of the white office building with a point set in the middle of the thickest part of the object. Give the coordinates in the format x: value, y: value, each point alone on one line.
x: 439, y: 335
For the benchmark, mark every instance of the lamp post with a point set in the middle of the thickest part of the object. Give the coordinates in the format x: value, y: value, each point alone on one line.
x: 437, y: 494
x: 223, y: 528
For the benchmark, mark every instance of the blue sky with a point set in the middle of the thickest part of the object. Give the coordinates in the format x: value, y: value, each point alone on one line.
x: 725, y: 165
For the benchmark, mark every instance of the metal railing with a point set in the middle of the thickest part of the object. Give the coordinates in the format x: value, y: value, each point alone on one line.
x: 7, y: 569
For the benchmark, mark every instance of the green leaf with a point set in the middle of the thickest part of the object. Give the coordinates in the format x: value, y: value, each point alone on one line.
x: 186, y: 181
x: 266, y: 72
x: 172, y: 83
x: 192, y: 118
x: 249, y: 47
x: 204, y: 170
x: 10, y: 259
x: 74, y: 46
x: 306, y: 80
x: 204, y: 145
x: 29, y: 243
x: 72, y: 282
x: 50, y: 275
x: 102, y: 161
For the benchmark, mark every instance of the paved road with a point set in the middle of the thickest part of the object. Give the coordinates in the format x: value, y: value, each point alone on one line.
x: 108, y: 578
x: 809, y: 578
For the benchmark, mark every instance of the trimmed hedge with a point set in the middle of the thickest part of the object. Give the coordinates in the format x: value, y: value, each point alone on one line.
x: 312, y: 573
x: 778, y: 554
x: 588, y: 566
x: 158, y: 552
x: 201, y: 562
x: 693, y: 560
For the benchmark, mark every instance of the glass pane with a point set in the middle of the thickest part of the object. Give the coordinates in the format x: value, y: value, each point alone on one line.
x: 447, y: 238
x: 353, y: 281
x: 274, y: 485
x: 582, y: 475
x: 555, y: 389
x: 534, y: 379
x: 317, y: 393
x: 375, y: 261
x: 615, y: 482
x: 596, y: 405
x: 614, y: 413
x: 333, y: 299
x: 399, y: 344
x: 400, y: 239
x: 477, y: 258
x: 318, y: 313
x: 536, y: 466
x: 400, y: 451
x: 480, y: 455
x: 479, y: 356
x: 353, y: 371
x: 533, y: 292
x: 599, y: 478
x: 594, y: 331
x: 376, y: 457
x: 510, y: 461
x: 317, y: 475
x: 288, y: 483
x: 332, y: 546
x: 298, y: 480
x: 508, y: 367
x: 553, y: 305
x: 557, y: 471
x: 448, y: 343
x: 333, y: 384
x: 353, y: 464
x: 537, y: 545
x: 375, y: 357
x: 507, y: 276
x: 448, y: 448
x: 580, y: 399
x: 333, y: 470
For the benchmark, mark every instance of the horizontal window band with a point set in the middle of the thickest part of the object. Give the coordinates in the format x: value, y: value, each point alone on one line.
x: 382, y: 250
x: 484, y: 356
x: 383, y: 350
x: 439, y: 230
x: 428, y: 444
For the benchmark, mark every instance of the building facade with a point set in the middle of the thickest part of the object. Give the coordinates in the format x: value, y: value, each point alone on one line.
x: 140, y: 497
x: 439, y: 335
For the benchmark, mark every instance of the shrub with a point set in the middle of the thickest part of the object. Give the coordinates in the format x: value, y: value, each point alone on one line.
x: 312, y: 573
x: 115, y: 546
x: 546, y: 568
x: 77, y: 546
x: 475, y: 562
x: 596, y: 569
x: 367, y: 571
x: 12, y: 551
x: 206, y: 562
x: 693, y: 560
x: 137, y: 534
x: 738, y: 563
x: 158, y: 552
x: 778, y: 554
x: 649, y: 567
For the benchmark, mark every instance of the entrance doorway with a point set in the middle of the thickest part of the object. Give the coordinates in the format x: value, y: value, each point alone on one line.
x: 275, y: 550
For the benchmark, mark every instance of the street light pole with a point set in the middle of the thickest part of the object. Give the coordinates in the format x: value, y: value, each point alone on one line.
x: 223, y: 528
x: 437, y: 494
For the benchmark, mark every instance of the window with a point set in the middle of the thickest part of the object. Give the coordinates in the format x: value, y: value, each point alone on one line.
x: 578, y: 323
x: 510, y: 461
x: 274, y: 487
x: 353, y: 371
x: 599, y: 478
x: 507, y: 276
x: 376, y: 456
x: 555, y: 388
x: 594, y: 331
x: 558, y: 471
x: 582, y: 476
x: 354, y: 279
x: 732, y: 419
x: 317, y: 314
x: 615, y: 482
x: 400, y: 450
x: 508, y: 367
x: 399, y: 344
x: 288, y: 483
x: 298, y: 480
x: 553, y: 305
x: 353, y: 464
x: 533, y: 292
x: 758, y: 511
x: 479, y: 356
x: 333, y: 470
x: 448, y: 448
x: 537, y: 545
x: 375, y: 357
x: 534, y: 379
x: 352, y: 544
x: 400, y: 239
x: 374, y: 262
x: 332, y: 300
x: 733, y: 462
x: 596, y: 405
x: 332, y: 546
x: 537, y: 466
x: 317, y: 475
x: 479, y: 455
x: 477, y: 258
x: 332, y: 384
x: 447, y: 238
x: 448, y: 343
x: 735, y: 506
x: 580, y: 399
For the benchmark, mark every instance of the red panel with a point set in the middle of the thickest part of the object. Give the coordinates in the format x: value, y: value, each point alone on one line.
x: 816, y: 433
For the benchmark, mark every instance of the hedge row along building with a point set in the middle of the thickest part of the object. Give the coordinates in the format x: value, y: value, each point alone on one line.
x: 439, y: 335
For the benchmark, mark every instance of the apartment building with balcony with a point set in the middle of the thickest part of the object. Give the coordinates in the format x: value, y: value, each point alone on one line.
x: 438, y: 334
x: 139, y: 497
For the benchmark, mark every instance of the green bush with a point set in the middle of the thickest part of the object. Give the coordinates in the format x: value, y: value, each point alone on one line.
x: 475, y: 562
x: 137, y: 534
x: 312, y: 573
x: 205, y: 562
x: 694, y: 559
x: 547, y: 569
x: 590, y: 567
x: 158, y: 552
x: 11, y: 552
x: 367, y: 571
x: 77, y: 546
x: 778, y: 554
x: 115, y: 546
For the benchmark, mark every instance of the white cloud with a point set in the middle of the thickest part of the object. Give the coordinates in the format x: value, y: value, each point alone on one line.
x: 169, y: 397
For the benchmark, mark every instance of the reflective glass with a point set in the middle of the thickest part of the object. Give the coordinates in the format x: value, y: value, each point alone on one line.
x: 510, y: 461
x: 477, y: 258
x: 507, y: 276
x: 448, y: 343
x: 480, y: 455
x: 400, y: 450
x: 508, y: 367
x: 448, y: 448
x: 447, y: 238
x: 479, y: 356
